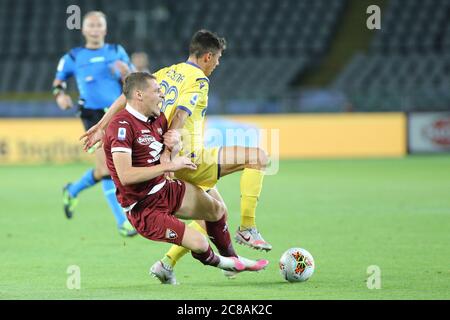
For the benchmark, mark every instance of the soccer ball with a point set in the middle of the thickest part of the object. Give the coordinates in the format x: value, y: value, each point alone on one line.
x: 296, y: 265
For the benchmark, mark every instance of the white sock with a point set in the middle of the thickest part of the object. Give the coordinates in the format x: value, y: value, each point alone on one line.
x: 226, y: 263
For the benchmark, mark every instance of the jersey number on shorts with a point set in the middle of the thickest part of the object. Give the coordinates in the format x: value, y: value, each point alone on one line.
x: 170, y: 93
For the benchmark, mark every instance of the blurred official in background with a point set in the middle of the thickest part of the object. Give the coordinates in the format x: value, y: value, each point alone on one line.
x: 99, y: 69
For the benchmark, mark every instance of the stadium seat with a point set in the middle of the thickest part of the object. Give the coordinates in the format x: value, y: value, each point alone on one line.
x: 265, y: 53
x: 406, y: 63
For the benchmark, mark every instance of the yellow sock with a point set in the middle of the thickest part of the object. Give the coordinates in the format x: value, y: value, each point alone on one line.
x: 251, y: 185
x: 175, y: 252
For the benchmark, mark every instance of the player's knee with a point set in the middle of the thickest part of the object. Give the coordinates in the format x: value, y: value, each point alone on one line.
x: 219, y: 210
x: 263, y: 159
x: 101, y: 172
x: 199, y: 243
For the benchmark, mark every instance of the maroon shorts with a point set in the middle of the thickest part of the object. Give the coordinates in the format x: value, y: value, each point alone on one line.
x: 153, y: 217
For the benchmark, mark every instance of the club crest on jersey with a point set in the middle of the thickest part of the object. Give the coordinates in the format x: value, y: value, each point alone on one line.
x: 121, y: 133
x: 145, y: 139
x: 170, y: 234
x: 159, y: 131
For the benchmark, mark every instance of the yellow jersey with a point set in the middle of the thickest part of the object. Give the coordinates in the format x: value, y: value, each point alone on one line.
x: 185, y: 87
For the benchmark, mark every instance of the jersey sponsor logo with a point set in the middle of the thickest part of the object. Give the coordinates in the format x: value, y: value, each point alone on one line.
x: 96, y: 59
x: 170, y: 234
x: 121, y: 133
x: 154, y: 159
x: 156, y: 148
x: 194, y: 99
x: 146, y: 139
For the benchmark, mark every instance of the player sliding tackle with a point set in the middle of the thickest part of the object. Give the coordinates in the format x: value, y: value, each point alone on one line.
x: 186, y: 88
x: 133, y: 144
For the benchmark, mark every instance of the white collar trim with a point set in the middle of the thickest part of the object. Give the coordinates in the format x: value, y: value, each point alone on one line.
x: 136, y: 114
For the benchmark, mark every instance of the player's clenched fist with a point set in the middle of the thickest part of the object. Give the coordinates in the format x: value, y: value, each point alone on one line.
x: 172, y: 139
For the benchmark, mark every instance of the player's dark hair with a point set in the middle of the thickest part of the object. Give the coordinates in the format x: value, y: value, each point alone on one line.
x: 204, y: 41
x: 136, y: 81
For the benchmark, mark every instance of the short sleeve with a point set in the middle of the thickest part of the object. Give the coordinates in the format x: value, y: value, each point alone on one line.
x: 160, y: 74
x: 192, y: 95
x: 65, y: 68
x: 120, y: 136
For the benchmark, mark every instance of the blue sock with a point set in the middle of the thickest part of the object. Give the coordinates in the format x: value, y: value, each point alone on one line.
x: 109, y: 189
x: 86, y: 181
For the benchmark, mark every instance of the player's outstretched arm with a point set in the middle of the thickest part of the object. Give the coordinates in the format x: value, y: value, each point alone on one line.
x: 176, y: 125
x: 123, y: 69
x: 95, y: 134
x: 131, y: 175
x: 178, y: 120
x: 173, y: 136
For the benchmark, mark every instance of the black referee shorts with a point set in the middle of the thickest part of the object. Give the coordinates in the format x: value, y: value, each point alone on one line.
x: 90, y: 117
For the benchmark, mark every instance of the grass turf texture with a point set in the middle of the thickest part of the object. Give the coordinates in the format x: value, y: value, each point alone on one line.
x: 349, y: 214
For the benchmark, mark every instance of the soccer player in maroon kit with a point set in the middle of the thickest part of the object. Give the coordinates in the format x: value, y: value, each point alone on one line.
x: 133, y: 143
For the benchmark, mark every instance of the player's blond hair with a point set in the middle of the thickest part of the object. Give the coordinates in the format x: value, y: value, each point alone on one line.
x: 94, y: 13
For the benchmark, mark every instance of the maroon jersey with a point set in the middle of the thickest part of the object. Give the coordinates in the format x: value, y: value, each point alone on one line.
x: 130, y: 131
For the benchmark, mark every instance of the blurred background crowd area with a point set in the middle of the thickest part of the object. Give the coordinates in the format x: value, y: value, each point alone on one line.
x: 283, y: 56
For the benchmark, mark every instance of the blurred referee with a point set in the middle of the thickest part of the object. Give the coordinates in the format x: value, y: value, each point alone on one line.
x: 99, y: 69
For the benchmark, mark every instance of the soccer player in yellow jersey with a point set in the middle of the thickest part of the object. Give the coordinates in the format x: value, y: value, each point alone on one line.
x: 186, y: 86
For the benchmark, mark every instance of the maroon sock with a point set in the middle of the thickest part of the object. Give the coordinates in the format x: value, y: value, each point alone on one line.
x: 208, y: 258
x: 219, y: 235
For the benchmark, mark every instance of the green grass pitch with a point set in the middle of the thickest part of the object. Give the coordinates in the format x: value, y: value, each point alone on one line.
x: 350, y: 214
